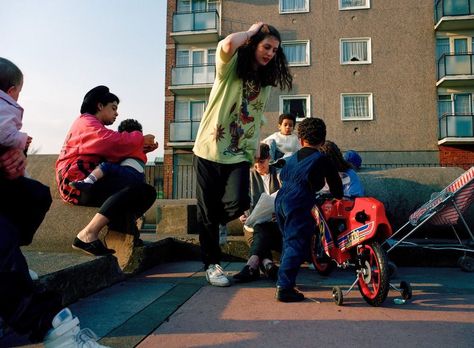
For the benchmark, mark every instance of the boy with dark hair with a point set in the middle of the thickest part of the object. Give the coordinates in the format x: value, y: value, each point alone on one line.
x: 131, y: 168
x: 283, y: 143
x: 303, y: 175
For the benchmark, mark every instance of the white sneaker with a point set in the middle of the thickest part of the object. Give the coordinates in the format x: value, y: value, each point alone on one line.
x: 215, y: 276
x: 33, y: 274
x: 223, y: 234
x: 66, y: 333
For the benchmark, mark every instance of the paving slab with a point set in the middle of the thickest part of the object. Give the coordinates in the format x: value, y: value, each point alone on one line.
x: 171, y: 305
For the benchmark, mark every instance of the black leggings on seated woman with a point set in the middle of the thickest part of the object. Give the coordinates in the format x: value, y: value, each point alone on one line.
x: 120, y: 201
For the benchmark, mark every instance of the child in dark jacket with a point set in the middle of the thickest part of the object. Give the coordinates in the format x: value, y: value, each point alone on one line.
x: 303, y: 175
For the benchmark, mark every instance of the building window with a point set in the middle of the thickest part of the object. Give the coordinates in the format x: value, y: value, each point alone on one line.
x: 353, y: 4
x: 356, y: 106
x: 298, y: 105
x: 455, y: 115
x: 187, y: 116
x: 296, y: 52
x: 196, y: 5
x: 355, y: 51
x: 294, y: 6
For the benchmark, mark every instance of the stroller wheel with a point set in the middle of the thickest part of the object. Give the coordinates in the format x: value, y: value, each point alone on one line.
x: 405, y: 290
x: 337, y: 295
x: 466, y: 263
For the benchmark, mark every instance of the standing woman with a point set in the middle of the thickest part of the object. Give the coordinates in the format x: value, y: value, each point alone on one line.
x: 88, y: 143
x: 248, y: 64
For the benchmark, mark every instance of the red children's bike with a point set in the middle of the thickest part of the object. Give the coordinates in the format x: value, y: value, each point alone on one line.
x: 350, y: 234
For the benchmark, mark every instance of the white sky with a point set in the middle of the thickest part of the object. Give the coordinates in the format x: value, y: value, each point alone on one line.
x: 67, y: 47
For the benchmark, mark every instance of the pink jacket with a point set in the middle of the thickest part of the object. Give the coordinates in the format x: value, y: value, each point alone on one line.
x: 11, y: 115
x: 89, y: 143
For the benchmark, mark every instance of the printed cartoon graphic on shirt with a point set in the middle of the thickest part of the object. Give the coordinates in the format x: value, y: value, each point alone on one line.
x: 251, y: 91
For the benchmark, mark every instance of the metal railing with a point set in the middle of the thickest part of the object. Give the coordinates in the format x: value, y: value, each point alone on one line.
x: 196, y: 21
x: 453, y: 64
x: 179, y: 182
x: 456, y: 126
x: 453, y: 8
x: 183, y: 130
x: 193, y: 74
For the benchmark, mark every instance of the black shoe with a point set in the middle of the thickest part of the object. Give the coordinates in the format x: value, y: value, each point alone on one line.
x: 80, y: 185
x: 270, y: 270
x: 247, y: 274
x: 95, y: 248
x: 288, y: 295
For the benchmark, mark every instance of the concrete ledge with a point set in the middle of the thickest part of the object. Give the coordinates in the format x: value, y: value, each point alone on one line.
x: 177, y: 217
x: 63, y: 221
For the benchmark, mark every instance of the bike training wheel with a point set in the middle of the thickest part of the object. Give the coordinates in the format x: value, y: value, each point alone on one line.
x: 337, y: 295
x: 373, y: 279
x: 321, y: 262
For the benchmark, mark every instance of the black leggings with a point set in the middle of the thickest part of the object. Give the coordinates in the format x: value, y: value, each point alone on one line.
x: 222, y: 195
x: 266, y: 237
x: 120, y: 201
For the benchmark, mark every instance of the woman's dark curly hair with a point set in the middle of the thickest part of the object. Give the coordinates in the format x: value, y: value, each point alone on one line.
x: 130, y: 125
x: 276, y: 72
x: 99, y: 94
x: 332, y: 151
x: 313, y: 130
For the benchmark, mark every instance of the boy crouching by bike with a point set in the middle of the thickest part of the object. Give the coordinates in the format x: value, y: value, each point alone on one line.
x: 304, y: 173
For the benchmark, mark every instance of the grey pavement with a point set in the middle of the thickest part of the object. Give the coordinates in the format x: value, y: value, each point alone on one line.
x: 171, y: 305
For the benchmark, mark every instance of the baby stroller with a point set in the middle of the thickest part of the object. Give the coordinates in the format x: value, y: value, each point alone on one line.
x: 445, y: 208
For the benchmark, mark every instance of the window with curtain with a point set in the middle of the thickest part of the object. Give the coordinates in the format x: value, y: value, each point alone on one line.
x: 356, y: 106
x: 184, y: 6
x: 298, y: 105
x: 290, y: 6
x: 182, y: 58
x: 296, y: 52
x: 353, y: 4
x: 355, y: 51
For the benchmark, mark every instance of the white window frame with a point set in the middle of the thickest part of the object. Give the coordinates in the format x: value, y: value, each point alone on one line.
x: 308, y: 51
x: 281, y: 11
x: 282, y: 98
x: 369, y: 117
x: 363, y: 7
x: 355, y: 39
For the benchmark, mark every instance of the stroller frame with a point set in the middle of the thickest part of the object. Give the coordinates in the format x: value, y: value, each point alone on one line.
x: 448, y: 205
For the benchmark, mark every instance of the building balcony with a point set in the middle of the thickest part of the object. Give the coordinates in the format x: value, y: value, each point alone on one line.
x: 456, y: 70
x: 183, y: 133
x: 196, y: 26
x: 456, y: 129
x: 192, y: 79
x: 454, y: 15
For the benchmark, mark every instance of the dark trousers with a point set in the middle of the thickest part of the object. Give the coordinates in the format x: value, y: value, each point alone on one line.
x: 222, y: 194
x: 120, y: 201
x: 23, y: 205
x: 297, y: 227
x: 266, y: 237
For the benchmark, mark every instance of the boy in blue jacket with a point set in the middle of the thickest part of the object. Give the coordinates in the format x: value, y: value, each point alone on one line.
x: 304, y: 173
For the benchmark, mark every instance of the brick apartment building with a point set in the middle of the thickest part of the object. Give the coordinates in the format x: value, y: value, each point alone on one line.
x: 393, y: 80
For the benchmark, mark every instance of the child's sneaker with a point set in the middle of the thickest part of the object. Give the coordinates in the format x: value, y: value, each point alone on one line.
x: 223, y: 234
x: 215, y: 276
x: 33, y: 274
x: 66, y: 333
x: 80, y: 185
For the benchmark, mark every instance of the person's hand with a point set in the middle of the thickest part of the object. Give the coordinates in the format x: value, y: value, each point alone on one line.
x: 255, y: 28
x: 28, y: 142
x: 13, y: 163
x: 243, y: 218
x: 150, y: 147
x: 149, y: 139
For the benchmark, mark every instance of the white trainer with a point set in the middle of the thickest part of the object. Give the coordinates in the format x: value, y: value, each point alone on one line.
x: 223, y: 234
x: 66, y: 333
x: 215, y: 276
